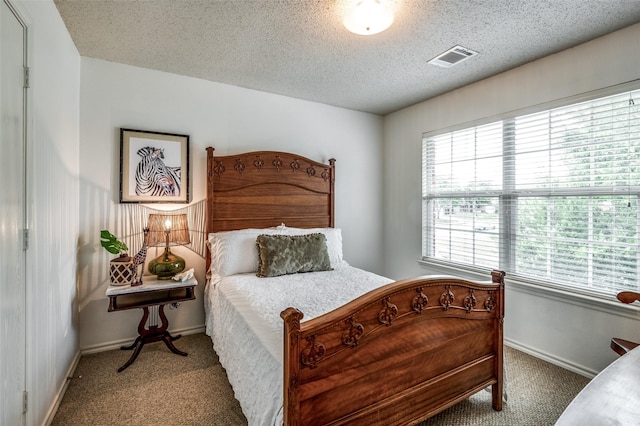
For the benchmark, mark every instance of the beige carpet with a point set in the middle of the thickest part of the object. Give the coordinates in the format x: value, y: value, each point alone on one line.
x: 163, y: 388
x: 538, y: 392
x: 159, y: 388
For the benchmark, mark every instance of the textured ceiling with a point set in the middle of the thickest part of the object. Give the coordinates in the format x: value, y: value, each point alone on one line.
x: 300, y: 48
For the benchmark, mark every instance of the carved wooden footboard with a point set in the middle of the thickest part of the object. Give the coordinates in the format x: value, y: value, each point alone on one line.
x: 396, y: 355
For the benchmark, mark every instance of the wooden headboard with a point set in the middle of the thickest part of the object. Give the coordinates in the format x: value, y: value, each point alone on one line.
x: 267, y: 188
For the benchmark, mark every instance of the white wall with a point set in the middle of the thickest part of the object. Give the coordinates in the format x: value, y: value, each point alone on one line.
x: 562, y: 329
x: 232, y: 120
x: 52, y: 321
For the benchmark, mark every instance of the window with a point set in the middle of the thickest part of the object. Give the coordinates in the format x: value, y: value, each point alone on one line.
x: 550, y: 196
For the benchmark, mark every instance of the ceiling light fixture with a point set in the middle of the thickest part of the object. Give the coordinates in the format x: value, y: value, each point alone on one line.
x: 368, y: 17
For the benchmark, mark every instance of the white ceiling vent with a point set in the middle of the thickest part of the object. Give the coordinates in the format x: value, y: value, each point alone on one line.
x: 453, y: 56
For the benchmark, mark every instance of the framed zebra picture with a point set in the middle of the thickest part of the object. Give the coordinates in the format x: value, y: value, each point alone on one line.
x: 154, y: 167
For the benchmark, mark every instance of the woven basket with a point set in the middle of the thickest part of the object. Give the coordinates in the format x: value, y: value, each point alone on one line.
x: 121, y: 270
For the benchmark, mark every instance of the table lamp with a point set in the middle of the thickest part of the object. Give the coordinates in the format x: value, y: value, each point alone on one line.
x: 168, y: 230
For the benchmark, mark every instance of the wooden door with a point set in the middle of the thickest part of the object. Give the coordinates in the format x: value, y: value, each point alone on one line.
x: 13, y: 216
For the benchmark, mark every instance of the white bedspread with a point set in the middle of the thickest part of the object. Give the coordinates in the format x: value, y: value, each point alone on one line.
x: 243, y: 320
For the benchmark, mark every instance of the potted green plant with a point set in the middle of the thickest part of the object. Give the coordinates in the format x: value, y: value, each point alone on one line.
x: 121, y: 270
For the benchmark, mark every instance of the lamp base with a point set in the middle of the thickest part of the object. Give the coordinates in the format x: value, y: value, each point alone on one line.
x: 166, y: 265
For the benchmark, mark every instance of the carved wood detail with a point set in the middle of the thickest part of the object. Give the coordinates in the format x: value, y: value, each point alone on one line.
x: 420, y: 301
x: 311, y: 171
x: 350, y: 337
x: 277, y: 162
x: 258, y: 162
x: 388, y: 313
x: 219, y: 169
x: 447, y: 298
x: 239, y: 166
x: 313, y: 353
x: 490, y: 302
x: 470, y: 301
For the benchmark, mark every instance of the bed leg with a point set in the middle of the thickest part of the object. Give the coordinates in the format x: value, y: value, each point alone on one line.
x: 496, y: 396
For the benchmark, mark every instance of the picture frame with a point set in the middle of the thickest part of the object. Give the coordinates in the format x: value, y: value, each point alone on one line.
x: 154, y: 167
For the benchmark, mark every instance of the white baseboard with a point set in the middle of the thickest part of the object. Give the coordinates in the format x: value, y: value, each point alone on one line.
x: 578, y: 369
x: 108, y: 346
x: 63, y: 389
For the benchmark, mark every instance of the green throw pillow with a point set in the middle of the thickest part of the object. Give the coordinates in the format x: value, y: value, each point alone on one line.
x: 290, y: 254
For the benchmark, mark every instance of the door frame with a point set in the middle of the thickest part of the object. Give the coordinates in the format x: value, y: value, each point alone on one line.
x: 25, y: 19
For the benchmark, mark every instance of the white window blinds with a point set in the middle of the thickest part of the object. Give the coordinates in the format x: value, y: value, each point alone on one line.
x: 550, y: 196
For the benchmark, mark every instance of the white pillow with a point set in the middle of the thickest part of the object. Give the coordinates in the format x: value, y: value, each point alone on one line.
x: 235, y: 252
x: 334, y: 241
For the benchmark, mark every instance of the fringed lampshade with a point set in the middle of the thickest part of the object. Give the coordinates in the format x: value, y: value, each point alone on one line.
x: 167, y: 230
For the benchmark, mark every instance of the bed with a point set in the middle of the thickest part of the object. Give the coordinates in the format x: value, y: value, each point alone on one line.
x: 336, y: 345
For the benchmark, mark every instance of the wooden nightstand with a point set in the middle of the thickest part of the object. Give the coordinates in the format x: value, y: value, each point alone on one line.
x: 152, y: 295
